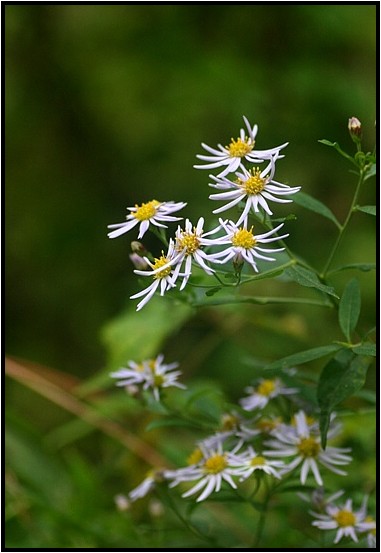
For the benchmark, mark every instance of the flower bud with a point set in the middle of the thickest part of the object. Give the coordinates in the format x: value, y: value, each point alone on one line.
x: 137, y: 247
x: 139, y: 262
x: 354, y: 127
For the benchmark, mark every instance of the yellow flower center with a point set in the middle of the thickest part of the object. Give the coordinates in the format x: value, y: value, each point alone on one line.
x: 244, y: 239
x: 309, y: 420
x: 254, y: 184
x: 158, y: 380
x: 266, y: 387
x: 146, y: 211
x: 308, y: 447
x: 239, y: 148
x: 373, y: 530
x: 215, y: 464
x: 345, y: 518
x: 229, y: 422
x: 188, y: 241
x: 160, y: 262
x: 257, y: 461
x: 195, y: 457
x: 266, y: 425
x: 152, y: 363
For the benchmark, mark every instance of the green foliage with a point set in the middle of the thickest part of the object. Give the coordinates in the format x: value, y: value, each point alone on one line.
x: 349, y: 308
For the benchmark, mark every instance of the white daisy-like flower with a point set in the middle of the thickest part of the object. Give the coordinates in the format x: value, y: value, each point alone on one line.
x: 256, y: 187
x: 213, y: 468
x: 153, y: 476
x: 266, y: 389
x: 345, y: 520
x: 189, y: 247
x: 244, y: 245
x: 163, y: 276
x: 153, y: 212
x: 305, y: 446
x: 149, y: 374
x: 231, y: 156
x: 249, y: 461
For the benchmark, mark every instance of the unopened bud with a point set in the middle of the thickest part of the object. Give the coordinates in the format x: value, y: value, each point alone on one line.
x: 137, y: 247
x: 122, y: 503
x: 139, y: 262
x: 354, y: 127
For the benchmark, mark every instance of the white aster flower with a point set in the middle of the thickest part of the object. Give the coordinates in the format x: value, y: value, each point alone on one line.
x: 266, y: 389
x: 231, y: 156
x: 189, y: 247
x: 149, y: 374
x: 256, y: 187
x: 306, y: 449
x: 152, y: 212
x: 345, y: 520
x: 162, y: 274
x: 153, y: 476
x: 211, y: 469
x: 244, y: 245
x: 249, y: 461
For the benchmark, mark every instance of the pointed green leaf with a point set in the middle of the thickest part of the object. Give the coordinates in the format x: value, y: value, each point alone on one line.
x: 341, y: 377
x: 359, y: 266
x: 212, y: 291
x: 337, y: 148
x: 307, y: 201
x: 349, y: 308
x: 370, y: 209
x: 367, y: 348
x: 305, y: 277
x: 303, y: 357
x: 371, y: 172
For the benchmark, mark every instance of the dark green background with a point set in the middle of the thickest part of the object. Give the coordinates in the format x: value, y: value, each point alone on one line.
x: 106, y: 106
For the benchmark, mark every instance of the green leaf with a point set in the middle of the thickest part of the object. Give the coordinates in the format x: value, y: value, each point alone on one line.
x: 305, y: 277
x: 341, y: 377
x: 371, y: 172
x: 173, y: 421
x: 349, y: 308
x: 367, y: 348
x: 338, y: 149
x: 307, y: 201
x: 303, y: 356
x: 359, y: 266
x: 213, y: 290
x: 370, y: 209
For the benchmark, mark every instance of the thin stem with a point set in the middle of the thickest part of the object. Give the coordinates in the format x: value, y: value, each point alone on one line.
x: 262, y: 517
x: 344, y: 225
x: 260, y: 300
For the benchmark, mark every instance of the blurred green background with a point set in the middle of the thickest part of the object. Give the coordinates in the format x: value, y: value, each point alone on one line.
x: 106, y: 106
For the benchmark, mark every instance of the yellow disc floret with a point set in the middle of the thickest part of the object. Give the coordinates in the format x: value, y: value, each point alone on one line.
x: 253, y: 184
x: 309, y: 447
x: 266, y: 387
x: 345, y: 518
x: 215, y: 464
x: 146, y: 211
x: 239, y: 148
x: 188, y: 241
x: 160, y: 262
x: 244, y: 238
x: 258, y: 461
x: 195, y: 457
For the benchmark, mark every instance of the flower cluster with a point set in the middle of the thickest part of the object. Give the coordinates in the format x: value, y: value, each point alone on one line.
x: 252, y: 188
x: 247, y: 445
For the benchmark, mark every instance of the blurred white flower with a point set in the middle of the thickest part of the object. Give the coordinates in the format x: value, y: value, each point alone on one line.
x: 149, y: 374
x: 249, y: 461
x: 256, y: 187
x: 152, y: 212
x: 266, y: 389
x: 345, y: 520
x: 305, y: 447
x: 231, y: 156
x: 211, y: 469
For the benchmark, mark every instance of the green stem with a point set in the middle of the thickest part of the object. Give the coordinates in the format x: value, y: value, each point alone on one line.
x: 262, y: 518
x: 260, y: 300
x: 344, y: 225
